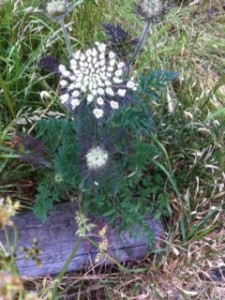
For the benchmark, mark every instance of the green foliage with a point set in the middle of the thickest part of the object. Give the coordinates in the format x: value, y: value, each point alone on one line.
x: 124, y: 189
x: 136, y: 119
x: 50, y: 189
x: 153, y: 83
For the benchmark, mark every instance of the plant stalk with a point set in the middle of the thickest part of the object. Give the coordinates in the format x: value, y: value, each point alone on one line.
x: 66, y: 37
x: 141, y: 41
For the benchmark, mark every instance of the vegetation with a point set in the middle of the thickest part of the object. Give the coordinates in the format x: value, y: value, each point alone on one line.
x: 186, y: 149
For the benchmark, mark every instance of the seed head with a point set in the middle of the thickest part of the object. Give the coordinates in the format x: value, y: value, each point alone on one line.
x: 152, y: 9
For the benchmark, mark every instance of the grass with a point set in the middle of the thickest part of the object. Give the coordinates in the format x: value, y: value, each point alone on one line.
x: 190, y: 130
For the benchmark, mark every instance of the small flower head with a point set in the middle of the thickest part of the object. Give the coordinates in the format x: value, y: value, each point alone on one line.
x: 97, y: 79
x: 84, y: 225
x: 96, y: 158
x: 152, y: 9
x: 7, y: 210
x: 96, y: 150
x: 56, y: 7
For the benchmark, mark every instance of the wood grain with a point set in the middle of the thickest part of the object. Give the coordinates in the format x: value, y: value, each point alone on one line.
x: 56, y: 238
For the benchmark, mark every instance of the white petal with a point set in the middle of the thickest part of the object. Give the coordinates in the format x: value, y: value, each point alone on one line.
x: 90, y: 86
x: 110, y: 69
x: 66, y: 73
x: 86, y: 83
x: 96, y: 65
x: 63, y: 83
x: 118, y: 73
x: 78, y: 85
x: 114, y: 104
x: 100, y: 83
x: 77, y: 54
x: 90, y: 98
x: 120, y: 65
x: 73, y: 62
x: 103, y: 77
x: 94, y: 60
x: 100, y: 101
x: 102, y: 62
x: 62, y: 68
x: 100, y: 91
x: 109, y: 74
x: 112, y: 62
x: 80, y: 78
x: 94, y: 85
x: 131, y: 85
x: 102, y: 47
x: 73, y: 78
x: 94, y: 92
x: 83, y: 88
x: 102, y: 56
x: 117, y: 80
x: 75, y: 103
x: 108, y: 83
x: 82, y: 57
x: 112, y: 55
x: 64, y: 98
x: 103, y: 68
x: 88, y: 52
x: 89, y: 59
x: 98, y: 113
x: 109, y: 91
x: 75, y: 93
x: 71, y: 87
x: 121, y: 92
x: 94, y: 53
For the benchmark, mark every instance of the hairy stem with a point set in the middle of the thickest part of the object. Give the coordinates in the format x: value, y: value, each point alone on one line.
x: 141, y: 41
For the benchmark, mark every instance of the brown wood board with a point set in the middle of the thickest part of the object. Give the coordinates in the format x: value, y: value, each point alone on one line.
x: 56, y: 239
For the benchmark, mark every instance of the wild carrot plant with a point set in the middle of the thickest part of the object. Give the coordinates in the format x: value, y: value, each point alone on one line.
x: 103, y: 150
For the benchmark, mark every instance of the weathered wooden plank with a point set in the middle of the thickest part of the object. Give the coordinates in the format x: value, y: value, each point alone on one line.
x: 56, y: 238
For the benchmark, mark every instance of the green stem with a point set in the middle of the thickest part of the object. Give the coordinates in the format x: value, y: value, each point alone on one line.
x: 7, y: 97
x: 66, y: 37
x: 64, y: 269
x: 141, y: 41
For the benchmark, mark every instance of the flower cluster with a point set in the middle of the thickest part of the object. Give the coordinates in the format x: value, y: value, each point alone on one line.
x: 96, y: 77
x: 96, y: 158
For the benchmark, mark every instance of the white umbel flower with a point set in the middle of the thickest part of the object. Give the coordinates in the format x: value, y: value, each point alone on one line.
x: 97, y: 77
x: 96, y: 158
